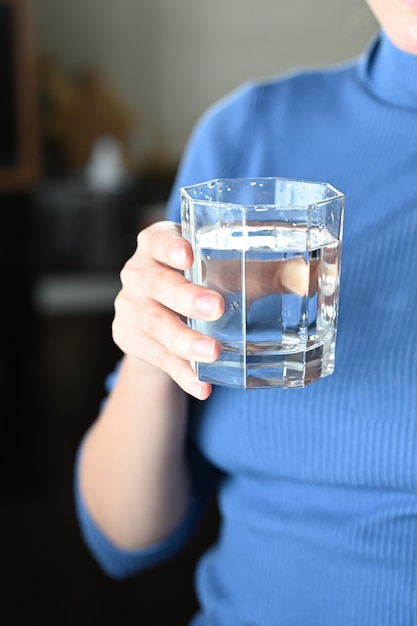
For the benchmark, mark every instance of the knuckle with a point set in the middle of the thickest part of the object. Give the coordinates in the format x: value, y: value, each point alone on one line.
x: 118, y: 335
x: 142, y: 242
x: 152, y: 321
x: 115, y: 329
x: 120, y: 305
x: 182, y: 296
x: 162, y: 359
x: 155, y: 283
x: 128, y: 274
x: 182, y: 341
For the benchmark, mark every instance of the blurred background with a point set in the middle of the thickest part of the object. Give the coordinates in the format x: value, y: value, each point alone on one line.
x: 97, y: 100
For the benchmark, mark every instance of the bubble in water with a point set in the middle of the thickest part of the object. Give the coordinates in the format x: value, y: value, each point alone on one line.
x: 235, y: 305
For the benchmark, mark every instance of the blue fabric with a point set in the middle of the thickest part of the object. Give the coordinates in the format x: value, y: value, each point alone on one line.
x: 319, y: 490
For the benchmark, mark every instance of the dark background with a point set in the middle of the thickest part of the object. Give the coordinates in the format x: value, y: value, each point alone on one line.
x: 52, y: 369
x: 53, y: 362
x: 8, y: 153
x: 55, y: 366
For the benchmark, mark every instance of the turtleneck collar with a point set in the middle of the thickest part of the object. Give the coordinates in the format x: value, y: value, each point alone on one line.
x: 390, y: 73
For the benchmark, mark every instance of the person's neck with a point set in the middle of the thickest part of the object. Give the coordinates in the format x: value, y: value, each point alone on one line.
x: 391, y: 73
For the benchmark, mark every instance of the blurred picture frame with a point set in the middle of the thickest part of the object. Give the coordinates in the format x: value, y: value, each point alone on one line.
x: 19, y: 118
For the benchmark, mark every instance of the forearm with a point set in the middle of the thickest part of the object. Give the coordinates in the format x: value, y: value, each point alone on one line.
x: 133, y: 474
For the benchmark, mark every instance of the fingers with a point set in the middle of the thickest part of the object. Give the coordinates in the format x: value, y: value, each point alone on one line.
x: 163, y: 242
x: 135, y: 319
x: 150, y: 272
x: 153, y: 302
x: 266, y: 277
x: 172, y: 290
x: 152, y: 333
x: 303, y: 279
x: 179, y: 370
x: 295, y: 276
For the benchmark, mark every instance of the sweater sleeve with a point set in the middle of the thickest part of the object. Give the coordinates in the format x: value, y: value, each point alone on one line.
x: 120, y: 563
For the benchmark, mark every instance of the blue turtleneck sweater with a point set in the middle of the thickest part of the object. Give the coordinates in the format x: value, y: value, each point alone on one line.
x: 317, y: 487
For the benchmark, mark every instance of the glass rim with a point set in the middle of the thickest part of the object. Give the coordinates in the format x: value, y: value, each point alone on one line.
x: 253, y: 180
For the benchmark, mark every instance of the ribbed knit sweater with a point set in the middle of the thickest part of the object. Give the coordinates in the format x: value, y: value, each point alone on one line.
x: 317, y: 487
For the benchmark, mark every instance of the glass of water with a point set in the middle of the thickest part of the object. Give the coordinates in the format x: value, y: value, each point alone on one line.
x: 272, y: 248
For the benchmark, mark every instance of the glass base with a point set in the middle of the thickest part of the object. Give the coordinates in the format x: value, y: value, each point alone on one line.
x: 264, y: 371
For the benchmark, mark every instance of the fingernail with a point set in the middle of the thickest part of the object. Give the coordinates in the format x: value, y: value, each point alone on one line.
x: 207, y: 304
x: 204, y: 347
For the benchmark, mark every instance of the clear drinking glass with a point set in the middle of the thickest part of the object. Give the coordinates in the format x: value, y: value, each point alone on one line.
x: 272, y: 248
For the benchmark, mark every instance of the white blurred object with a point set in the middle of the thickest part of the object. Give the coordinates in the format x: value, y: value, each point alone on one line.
x: 59, y: 294
x: 105, y: 171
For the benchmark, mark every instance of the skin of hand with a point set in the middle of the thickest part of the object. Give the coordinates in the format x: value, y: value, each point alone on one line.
x: 154, y: 302
x: 264, y: 278
x: 133, y: 472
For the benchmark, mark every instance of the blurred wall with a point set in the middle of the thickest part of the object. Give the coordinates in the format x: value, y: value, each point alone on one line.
x: 170, y: 59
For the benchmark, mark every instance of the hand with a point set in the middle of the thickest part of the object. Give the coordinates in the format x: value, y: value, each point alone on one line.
x: 264, y: 277
x: 154, y: 302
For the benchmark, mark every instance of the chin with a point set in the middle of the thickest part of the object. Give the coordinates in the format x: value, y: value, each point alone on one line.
x: 409, y: 45
x: 411, y: 3
x: 405, y: 38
